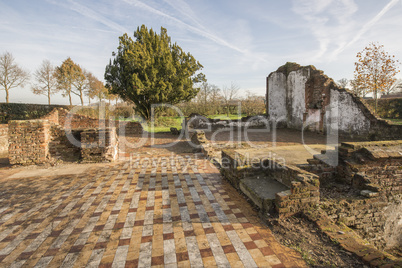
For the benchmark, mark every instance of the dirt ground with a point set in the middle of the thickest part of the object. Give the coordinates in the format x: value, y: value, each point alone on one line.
x: 316, y: 248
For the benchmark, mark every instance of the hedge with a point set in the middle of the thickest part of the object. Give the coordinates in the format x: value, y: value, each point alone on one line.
x: 387, y: 108
x: 22, y: 111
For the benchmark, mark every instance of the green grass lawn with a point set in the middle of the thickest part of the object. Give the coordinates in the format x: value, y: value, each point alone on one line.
x: 225, y: 117
x: 395, y: 121
x: 164, y: 123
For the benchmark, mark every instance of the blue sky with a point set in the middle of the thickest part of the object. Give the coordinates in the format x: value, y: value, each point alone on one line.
x: 235, y: 40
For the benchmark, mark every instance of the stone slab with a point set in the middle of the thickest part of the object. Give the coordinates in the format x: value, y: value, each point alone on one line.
x: 261, y: 189
x: 292, y: 155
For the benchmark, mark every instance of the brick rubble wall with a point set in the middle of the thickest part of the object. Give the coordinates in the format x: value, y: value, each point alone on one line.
x: 47, y: 140
x: 373, y: 170
x: 3, y: 138
x: 298, y: 95
x: 28, y: 141
x: 369, y: 217
x: 60, y: 147
x: 304, y: 188
x: 99, y: 145
x: 75, y: 121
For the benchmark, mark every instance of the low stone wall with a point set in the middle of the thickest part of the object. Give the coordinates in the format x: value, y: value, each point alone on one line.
x: 3, y: 138
x: 304, y: 189
x: 367, y: 216
x: 128, y: 128
x: 99, y: 145
x: 60, y: 147
x: 27, y: 145
x: 197, y: 121
x: 28, y: 142
x: 303, y: 185
x: 372, y: 174
x: 25, y: 111
x: 69, y: 120
x: 351, y: 242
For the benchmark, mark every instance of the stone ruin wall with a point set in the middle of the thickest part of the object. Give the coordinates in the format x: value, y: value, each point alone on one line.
x: 28, y: 142
x: 3, y: 138
x: 303, y: 97
x: 370, y: 174
x: 46, y: 140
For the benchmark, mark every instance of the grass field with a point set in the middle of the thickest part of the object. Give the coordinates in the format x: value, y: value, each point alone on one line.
x: 396, y: 121
x: 163, y: 124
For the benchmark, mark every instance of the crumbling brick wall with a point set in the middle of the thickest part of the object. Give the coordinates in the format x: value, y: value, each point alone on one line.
x: 60, y: 147
x: 3, y: 138
x: 99, y: 145
x: 50, y: 139
x: 69, y: 120
x: 372, y: 171
x: 304, y: 189
x: 302, y: 97
x: 303, y: 186
x: 28, y: 141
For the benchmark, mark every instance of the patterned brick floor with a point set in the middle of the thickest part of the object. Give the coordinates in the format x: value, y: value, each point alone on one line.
x: 172, y: 211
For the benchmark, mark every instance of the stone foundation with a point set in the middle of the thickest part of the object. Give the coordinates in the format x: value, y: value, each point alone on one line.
x: 28, y: 142
x: 50, y: 139
x: 3, y: 138
x: 373, y: 171
x: 303, y: 186
x: 99, y: 145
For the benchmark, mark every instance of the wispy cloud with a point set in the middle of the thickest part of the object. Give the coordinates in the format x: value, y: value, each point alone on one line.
x: 90, y: 13
x: 198, y: 29
x: 329, y: 21
x: 366, y: 27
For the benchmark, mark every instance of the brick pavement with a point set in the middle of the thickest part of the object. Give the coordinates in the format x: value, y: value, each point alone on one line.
x: 172, y: 211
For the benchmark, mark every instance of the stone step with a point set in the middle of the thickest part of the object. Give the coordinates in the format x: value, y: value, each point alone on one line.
x: 261, y: 190
x: 328, y: 159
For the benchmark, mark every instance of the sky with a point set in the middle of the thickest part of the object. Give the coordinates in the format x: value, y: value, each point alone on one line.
x: 236, y: 41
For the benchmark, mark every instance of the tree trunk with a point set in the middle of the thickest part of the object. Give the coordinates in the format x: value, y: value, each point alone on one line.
x: 48, y: 97
x: 375, y: 98
x: 6, y: 95
x: 81, y: 98
x: 69, y: 97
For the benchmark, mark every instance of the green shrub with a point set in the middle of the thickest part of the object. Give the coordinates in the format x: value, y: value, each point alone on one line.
x: 23, y: 111
x: 387, y: 108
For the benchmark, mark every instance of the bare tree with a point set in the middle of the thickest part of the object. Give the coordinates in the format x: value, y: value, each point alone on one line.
x: 252, y: 104
x: 95, y: 87
x: 45, y: 81
x: 395, y: 87
x: 358, y: 89
x: 80, y: 84
x: 229, y: 94
x: 11, y: 75
x: 207, y: 98
x: 343, y: 83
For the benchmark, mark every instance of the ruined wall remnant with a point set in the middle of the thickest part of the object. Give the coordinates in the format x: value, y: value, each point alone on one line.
x: 50, y: 139
x: 373, y: 172
x: 28, y: 141
x: 3, y: 138
x: 99, y: 145
x: 303, y: 97
x: 196, y: 121
x: 302, y: 187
